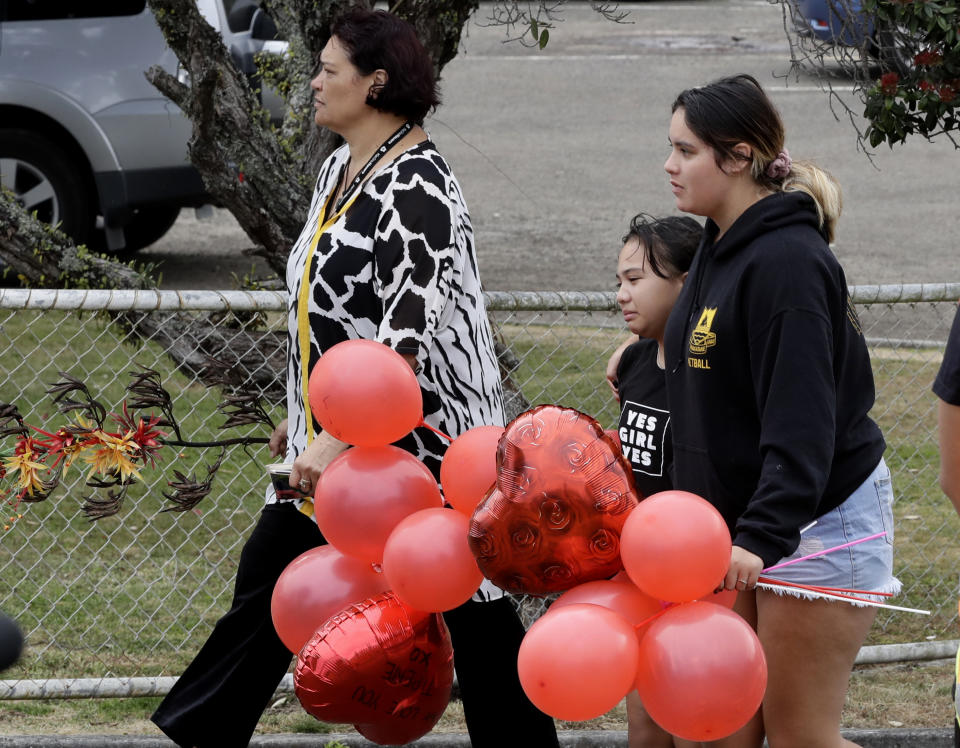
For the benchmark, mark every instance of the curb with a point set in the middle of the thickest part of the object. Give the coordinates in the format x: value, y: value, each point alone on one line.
x: 900, y: 738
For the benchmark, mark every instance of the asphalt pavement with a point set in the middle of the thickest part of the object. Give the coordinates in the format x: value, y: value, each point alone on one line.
x: 556, y: 149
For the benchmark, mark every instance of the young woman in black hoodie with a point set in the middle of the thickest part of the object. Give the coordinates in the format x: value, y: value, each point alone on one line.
x: 769, y: 384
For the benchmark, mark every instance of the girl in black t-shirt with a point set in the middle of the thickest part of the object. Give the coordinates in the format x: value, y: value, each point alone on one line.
x: 651, y: 269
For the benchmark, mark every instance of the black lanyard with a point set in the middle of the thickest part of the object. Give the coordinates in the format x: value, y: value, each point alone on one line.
x: 377, y: 155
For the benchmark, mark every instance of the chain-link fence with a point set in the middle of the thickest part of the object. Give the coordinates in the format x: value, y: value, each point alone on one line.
x: 136, y: 594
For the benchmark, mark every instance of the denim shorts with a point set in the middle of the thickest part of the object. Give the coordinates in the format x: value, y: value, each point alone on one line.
x: 865, y: 566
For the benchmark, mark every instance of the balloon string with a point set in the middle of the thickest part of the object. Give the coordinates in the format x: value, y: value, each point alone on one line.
x: 822, y: 590
x: 654, y: 617
x: 845, y: 589
x: 829, y: 596
x: 435, y: 431
x: 828, y: 550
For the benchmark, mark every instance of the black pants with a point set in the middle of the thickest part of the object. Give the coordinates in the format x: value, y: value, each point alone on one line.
x: 218, y: 700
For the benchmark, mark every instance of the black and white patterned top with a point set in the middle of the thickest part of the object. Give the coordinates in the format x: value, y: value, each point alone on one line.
x: 397, y: 265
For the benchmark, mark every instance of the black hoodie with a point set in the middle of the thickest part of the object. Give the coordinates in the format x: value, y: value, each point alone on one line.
x: 769, y: 378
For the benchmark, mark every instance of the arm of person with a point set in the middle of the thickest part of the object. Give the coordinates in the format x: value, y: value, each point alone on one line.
x: 416, y: 256
x: 946, y: 387
x: 796, y: 399
x: 278, y: 439
x: 613, y: 364
x: 948, y: 419
x: 792, y: 369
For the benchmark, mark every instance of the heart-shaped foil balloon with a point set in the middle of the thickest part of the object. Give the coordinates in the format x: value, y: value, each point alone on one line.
x: 380, y: 665
x: 553, y: 519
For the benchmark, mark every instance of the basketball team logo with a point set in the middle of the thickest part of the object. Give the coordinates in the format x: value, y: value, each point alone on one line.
x: 702, y: 336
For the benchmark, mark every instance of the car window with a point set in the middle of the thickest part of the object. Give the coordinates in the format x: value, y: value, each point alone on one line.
x: 51, y: 10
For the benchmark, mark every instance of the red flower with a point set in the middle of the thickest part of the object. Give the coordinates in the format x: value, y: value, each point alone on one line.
x: 928, y: 57
x: 926, y: 86
x: 888, y: 83
x: 146, y: 436
x: 947, y: 93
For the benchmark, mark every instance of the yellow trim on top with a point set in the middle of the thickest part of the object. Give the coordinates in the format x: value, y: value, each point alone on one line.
x: 303, y: 299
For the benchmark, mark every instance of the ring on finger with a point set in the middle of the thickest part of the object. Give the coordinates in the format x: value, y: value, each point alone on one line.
x: 304, y: 484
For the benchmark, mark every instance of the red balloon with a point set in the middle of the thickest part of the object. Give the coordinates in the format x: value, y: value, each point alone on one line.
x: 702, y: 672
x: 469, y: 467
x: 553, y: 520
x: 365, y: 492
x: 675, y: 546
x: 314, y: 586
x: 380, y: 665
x: 578, y: 662
x: 364, y: 393
x: 428, y: 562
x: 623, y: 598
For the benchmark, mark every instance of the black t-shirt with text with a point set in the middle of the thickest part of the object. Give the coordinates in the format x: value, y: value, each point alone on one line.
x: 644, y: 427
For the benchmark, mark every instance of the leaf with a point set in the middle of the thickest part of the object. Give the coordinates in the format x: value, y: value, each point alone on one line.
x: 534, y: 28
x: 544, y: 38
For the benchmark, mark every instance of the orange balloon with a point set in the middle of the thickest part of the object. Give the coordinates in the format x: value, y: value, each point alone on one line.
x: 614, y: 436
x: 364, y: 393
x: 314, y: 586
x: 675, y: 546
x: 578, y: 662
x: 469, y: 467
x: 365, y: 492
x: 428, y: 562
x: 702, y: 672
x: 624, y: 598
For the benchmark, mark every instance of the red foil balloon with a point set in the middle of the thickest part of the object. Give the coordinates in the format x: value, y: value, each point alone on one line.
x: 563, y: 492
x: 380, y: 665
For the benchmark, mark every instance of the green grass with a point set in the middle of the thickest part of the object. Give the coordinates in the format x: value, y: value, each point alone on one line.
x: 137, y: 594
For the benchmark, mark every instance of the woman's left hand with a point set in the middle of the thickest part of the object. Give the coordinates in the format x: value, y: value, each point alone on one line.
x: 745, y: 568
x: 311, y: 463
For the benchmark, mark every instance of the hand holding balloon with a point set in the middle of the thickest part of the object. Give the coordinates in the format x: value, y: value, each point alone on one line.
x: 310, y: 464
x: 744, y: 571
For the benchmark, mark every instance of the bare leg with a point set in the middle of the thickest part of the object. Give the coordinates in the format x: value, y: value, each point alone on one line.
x: 751, y: 734
x: 643, y: 732
x: 810, y: 646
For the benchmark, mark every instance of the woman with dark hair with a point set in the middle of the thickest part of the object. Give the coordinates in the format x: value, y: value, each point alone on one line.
x: 651, y: 270
x: 770, y: 385
x: 386, y: 254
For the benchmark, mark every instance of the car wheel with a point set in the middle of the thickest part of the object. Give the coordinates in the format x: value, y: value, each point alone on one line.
x: 46, y: 181
x: 149, y: 224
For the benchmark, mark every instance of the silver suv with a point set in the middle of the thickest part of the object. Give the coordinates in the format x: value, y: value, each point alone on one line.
x: 85, y: 140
